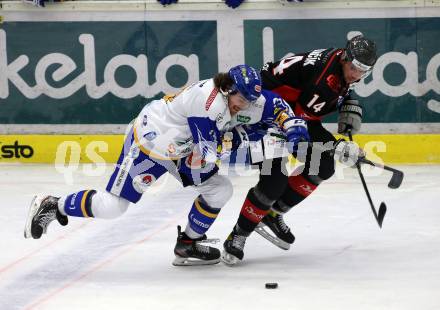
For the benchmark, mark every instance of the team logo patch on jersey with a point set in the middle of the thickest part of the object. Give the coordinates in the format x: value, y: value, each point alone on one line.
x: 195, y: 162
x: 211, y: 98
x: 258, y: 88
x: 243, y: 118
x: 334, y: 83
x: 220, y: 117
x: 142, y: 182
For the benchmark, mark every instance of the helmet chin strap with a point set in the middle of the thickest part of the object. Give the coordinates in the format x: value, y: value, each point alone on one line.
x: 224, y: 93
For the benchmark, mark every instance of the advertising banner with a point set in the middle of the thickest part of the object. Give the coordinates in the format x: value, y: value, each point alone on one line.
x: 104, y: 72
x: 98, y: 72
x: 84, y: 75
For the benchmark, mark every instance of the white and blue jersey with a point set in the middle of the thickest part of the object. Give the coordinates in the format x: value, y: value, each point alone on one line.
x: 164, y: 136
x: 167, y: 131
x: 270, y: 111
x: 266, y: 109
x: 170, y: 128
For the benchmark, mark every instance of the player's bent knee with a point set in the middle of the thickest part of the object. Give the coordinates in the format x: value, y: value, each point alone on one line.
x: 108, y: 206
x: 226, y: 188
x: 263, y: 196
x: 326, y: 172
x: 271, y: 191
x: 216, y: 191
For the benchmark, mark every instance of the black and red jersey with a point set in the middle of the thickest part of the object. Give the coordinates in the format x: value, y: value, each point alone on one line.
x: 312, y: 83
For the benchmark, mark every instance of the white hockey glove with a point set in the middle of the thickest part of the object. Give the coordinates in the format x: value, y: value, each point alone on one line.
x: 350, y: 117
x: 348, y: 153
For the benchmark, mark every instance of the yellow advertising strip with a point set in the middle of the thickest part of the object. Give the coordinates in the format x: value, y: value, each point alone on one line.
x: 64, y: 148
x: 396, y: 148
x: 401, y: 148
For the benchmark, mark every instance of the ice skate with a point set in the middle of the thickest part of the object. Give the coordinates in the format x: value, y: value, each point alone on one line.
x: 233, y: 248
x: 42, y: 211
x: 191, y: 252
x: 281, y: 235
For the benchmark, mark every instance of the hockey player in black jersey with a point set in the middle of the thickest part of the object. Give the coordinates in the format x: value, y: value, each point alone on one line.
x: 315, y: 84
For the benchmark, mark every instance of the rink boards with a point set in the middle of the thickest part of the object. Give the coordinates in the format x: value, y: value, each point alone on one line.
x: 80, y: 81
x: 72, y: 149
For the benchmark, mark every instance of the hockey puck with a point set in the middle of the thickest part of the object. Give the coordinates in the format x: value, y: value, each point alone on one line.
x: 271, y: 285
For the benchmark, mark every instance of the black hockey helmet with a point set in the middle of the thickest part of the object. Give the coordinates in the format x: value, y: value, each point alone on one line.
x: 361, y: 52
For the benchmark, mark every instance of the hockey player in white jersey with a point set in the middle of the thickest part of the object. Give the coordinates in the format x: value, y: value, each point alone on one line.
x: 166, y: 137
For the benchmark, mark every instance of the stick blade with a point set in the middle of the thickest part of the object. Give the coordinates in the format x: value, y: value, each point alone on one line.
x: 396, y: 179
x: 381, y: 213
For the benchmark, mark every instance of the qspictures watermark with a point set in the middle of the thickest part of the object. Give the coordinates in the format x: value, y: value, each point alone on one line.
x: 70, y: 154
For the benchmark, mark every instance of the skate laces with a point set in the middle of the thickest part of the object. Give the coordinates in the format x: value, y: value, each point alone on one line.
x: 47, y: 217
x: 202, y: 248
x: 212, y: 241
x: 205, y: 248
x: 238, y: 241
x: 281, y: 223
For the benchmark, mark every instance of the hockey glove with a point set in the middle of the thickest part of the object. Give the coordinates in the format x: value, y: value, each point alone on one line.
x: 233, y: 3
x: 167, y: 2
x: 350, y: 117
x: 348, y: 153
x: 296, y: 132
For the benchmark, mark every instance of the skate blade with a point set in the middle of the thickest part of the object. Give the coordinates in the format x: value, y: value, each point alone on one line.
x: 33, y: 208
x: 229, y: 259
x: 271, y: 238
x: 188, y: 261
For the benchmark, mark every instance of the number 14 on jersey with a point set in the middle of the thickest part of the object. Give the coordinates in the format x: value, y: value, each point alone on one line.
x: 316, y: 106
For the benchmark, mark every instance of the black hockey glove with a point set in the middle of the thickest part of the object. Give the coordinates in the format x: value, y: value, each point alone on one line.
x: 350, y: 117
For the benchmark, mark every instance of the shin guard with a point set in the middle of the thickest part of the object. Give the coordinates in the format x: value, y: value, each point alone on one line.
x: 201, y: 216
x: 79, y: 204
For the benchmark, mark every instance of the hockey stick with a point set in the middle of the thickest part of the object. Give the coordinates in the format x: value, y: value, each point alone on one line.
x: 382, y: 208
x: 397, y: 177
x: 395, y: 181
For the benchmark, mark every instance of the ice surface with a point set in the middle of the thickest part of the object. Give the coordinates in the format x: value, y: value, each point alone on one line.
x: 340, y: 260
